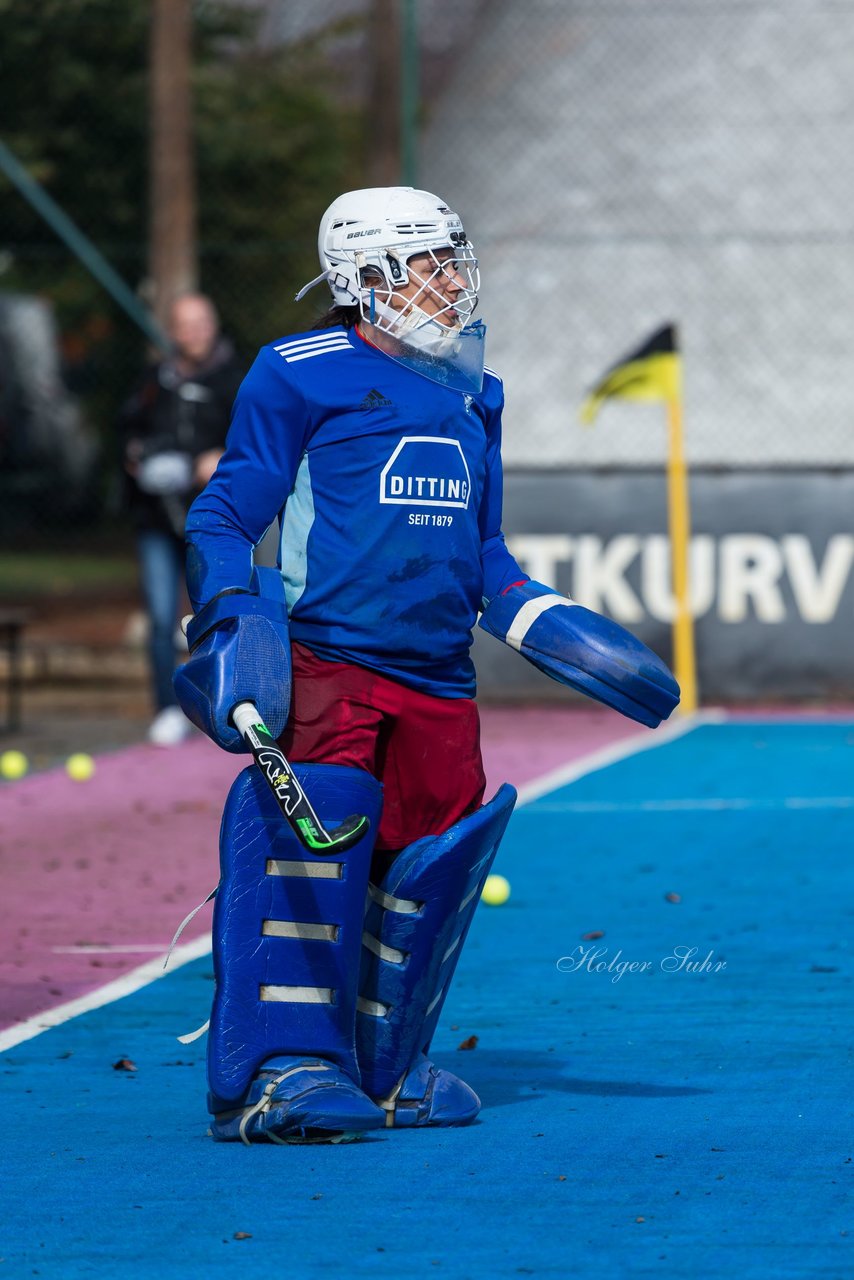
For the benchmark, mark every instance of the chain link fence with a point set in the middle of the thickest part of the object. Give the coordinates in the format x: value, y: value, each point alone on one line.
x: 626, y: 164
x: 618, y: 164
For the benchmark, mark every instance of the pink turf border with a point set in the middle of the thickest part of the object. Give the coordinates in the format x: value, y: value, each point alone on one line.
x: 118, y: 861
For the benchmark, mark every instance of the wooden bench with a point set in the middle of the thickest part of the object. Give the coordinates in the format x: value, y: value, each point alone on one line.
x: 12, y: 622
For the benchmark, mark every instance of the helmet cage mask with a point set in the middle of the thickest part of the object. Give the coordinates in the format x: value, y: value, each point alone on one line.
x: 450, y: 282
x: 376, y: 243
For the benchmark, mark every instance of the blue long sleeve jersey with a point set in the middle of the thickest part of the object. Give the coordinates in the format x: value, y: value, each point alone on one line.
x: 387, y: 487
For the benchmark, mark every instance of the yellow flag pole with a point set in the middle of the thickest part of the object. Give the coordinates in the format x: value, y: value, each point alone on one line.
x: 679, y: 520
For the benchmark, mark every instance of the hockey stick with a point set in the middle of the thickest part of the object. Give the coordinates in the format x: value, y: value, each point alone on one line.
x: 292, y: 800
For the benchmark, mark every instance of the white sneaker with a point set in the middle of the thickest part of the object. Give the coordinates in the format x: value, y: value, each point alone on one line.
x: 169, y: 727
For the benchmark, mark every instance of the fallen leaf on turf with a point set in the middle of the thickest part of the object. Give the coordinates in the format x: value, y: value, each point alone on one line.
x: 673, y: 897
x: 124, y: 1064
x: 469, y: 1043
x: 243, y: 1235
x: 593, y: 935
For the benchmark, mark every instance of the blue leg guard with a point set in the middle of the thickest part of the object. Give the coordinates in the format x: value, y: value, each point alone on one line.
x: 286, y: 943
x: 415, y: 926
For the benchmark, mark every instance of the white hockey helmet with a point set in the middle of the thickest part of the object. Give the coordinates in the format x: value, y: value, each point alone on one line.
x: 366, y: 241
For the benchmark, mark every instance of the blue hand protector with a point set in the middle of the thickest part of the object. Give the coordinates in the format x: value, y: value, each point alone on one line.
x: 239, y: 652
x: 584, y: 650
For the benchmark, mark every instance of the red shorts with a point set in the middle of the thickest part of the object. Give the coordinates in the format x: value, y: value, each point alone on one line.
x: 424, y: 750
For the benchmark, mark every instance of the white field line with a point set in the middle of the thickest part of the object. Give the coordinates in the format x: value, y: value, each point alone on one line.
x: 699, y: 804
x: 115, y: 990
x: 153, y: 969
x: 646, y: 740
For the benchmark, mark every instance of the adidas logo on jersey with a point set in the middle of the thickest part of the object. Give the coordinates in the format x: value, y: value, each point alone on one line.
x: 375, y: 400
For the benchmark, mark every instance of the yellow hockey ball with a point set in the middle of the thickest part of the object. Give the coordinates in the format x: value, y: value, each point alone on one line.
x: 13, y: 764
x: 496, y: 891
x: 80, y: 767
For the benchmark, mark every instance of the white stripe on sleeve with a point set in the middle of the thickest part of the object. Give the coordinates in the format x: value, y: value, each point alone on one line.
x: 527, y: 616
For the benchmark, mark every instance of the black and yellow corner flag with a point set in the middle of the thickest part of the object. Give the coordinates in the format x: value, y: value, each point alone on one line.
x: 651, y: 372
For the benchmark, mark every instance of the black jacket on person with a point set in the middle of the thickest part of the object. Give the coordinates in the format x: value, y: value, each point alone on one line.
x: 173, y: 413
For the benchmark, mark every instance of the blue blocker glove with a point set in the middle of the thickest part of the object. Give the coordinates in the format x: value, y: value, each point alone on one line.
x: 584, y: 650
x: 239, y: 652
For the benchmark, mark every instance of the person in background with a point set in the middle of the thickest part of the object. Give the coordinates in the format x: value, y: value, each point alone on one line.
x: 173, y: 427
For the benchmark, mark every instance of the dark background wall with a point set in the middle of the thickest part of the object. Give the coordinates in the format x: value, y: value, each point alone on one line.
x: 772, y: 562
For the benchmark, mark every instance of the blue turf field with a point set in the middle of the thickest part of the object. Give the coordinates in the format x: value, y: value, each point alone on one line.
x: 651, y: 1124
